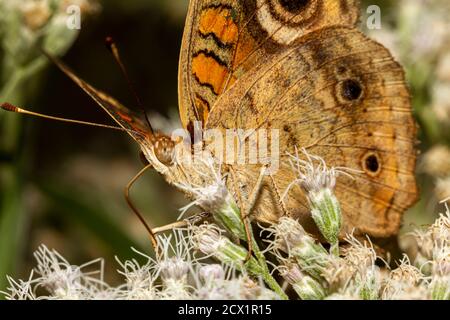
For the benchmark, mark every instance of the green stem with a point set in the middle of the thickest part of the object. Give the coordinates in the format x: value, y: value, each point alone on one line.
x: 267, y: 276
x: 9, y: 91
x: 334, y: 249
x: 12, y: 214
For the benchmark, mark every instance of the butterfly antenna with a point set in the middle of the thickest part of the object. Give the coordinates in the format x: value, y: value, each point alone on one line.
x: 111, y: 45
x: 11, y: 108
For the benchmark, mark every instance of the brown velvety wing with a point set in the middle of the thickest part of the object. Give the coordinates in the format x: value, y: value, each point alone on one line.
x: 342, y: 97
x: 224, y: 39
x: 125, y: 117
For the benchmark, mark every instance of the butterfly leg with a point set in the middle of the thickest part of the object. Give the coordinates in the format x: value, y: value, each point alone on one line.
x: 195, y: 219
x: 277, y: 193
x: 246, y: 212
x: 153, y: 238
x: 244, y: 219
x: 279, y: 197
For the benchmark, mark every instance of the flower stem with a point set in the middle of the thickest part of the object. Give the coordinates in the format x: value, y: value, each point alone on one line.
x: 266, y: 275
x: 334, y: 249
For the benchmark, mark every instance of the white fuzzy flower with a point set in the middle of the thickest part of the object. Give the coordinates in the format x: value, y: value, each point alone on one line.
x: 213, y: 196
x: 139, y: 280
x: 313, y: 173
x: 64, y: 281
x: 174, y: 265
x: 20, y: 290
x: 211, y: 272
x: 355, y: 273
x: 318, y: 181
x: 405, y: 282
x: 307, y: 287
x: 290, y: 237
x: 288, y: 233
x: 210, y: 241
x: 61, y: 280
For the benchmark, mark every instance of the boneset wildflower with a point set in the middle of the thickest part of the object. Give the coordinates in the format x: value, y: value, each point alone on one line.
x: 307, y: 287
x: 433, y: 245
x: 318, y: 181
x: 139, y: 281
x: 440, y: 288
x: 64, y: 281
x: 369, y: 284
x: 174, y: 275
x: 174, y: 266
x: 326, y: 212
x: 290, y: 237
x: 211, y: 272
x: 405, y: 282
x: 217, y: 283
x: 20, y: 290
x: 355, y: 270
x: 214, y: 197
x: 35, y: 13
x: 209, y: 240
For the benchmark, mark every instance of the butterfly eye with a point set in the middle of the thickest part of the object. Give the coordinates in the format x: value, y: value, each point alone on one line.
x: 164, y: 148
x: 351, y: 89
x: 294, y: 6
x: 371, y: 163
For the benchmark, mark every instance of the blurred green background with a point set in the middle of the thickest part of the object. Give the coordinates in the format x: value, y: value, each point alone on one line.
x: 62, y: 185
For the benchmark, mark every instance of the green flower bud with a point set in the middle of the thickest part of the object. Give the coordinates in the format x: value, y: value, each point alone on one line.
x: 209, y: 240
x: 228, y: 215
x: 291, y: 238
x: 326, y: 212
x: 440, y: 289
x: 370, y: 286
x: 312, y: 258
x: 305, y: 286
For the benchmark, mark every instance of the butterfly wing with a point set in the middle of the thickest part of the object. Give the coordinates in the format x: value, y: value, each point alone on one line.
x: 126, y: 118
x: 342, y: 97
x: 224, y: 39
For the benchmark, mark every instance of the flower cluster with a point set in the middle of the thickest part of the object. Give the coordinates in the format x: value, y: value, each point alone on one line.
x: 351, y: 269
x: 29, y: 24
x: 27, y: 27
x: 359, y: 273
x: 174, y: 275
x: 311, y: 271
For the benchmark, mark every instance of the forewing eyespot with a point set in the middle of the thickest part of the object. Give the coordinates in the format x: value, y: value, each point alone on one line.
x: 294, y: 6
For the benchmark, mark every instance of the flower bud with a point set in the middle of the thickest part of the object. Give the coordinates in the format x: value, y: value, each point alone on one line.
x: 229, y: 216
x: 174, y: 268
x: 207, y: 239
x: 211, y: 272
x: 440, y: 289
x: 306, y: 287
x: 326, y: 212
x: 291, y: 238
x: 318, y: 181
